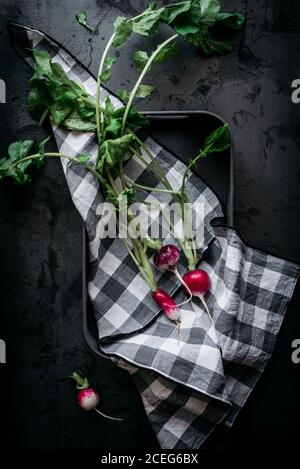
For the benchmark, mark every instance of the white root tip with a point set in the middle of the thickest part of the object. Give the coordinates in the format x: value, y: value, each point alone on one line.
x: 174, y: 314
x: 107, y: 416
x: 178, y: 330
x: 205, y: 306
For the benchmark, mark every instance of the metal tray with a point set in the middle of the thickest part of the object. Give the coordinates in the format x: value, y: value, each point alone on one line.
x: 183, y: 133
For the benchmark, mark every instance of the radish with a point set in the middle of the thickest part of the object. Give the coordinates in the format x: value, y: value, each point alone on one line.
x: 88, y: 398
x: 167, y: 259
x: 198, y: 283
x: 168, y: 305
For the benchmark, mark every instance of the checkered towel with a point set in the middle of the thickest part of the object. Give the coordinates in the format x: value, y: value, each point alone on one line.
x: 190, y: 385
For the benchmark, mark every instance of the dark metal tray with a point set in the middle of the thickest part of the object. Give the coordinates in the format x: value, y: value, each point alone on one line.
x: 183, y: 133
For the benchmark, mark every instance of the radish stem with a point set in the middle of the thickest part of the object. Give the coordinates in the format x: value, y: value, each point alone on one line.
x: 62, y: 155
x: 147, y: 165
x: 112, y: 182
x: 151, y: 283
x: 99, y: 113
x: 141, y: 77
x: 148, y: 188
x: 162, y: 176
x: 121, y: 172
x: 189, y: 251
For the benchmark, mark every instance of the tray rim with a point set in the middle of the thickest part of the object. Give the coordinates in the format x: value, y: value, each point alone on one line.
x: 88, y: 336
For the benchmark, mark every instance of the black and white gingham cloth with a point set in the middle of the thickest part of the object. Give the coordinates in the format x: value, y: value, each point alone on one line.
x: 191, y: 384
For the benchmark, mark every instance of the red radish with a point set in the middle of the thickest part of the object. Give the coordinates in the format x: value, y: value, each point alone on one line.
x: 166, y: 259
x: 199, y: 283
x: 167, y: 256
x: 169, y: 307
x: 88, y: 398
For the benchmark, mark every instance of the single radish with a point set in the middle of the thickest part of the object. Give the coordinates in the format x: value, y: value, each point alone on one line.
x: 88, y: 398
x: 168, y: 305
x: 198, y: 283
x: 167, y: 259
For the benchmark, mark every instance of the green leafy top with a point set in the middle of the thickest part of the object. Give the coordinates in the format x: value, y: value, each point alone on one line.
x: 82, y: 19
x: 54, y: 93
x: 16, y: 164
x: 194, y: 20
x: 217, y: 141
x: 142, y: 92
x: 231, y: 20
x: 140, y: 58
x: 123, y: 30
x: 108, y: 63
x: 81, y: 381
x: 113, y: 151
x: 68, y: 104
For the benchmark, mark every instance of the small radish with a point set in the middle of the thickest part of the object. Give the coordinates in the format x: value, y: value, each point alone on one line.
x: 167, y: 259
x: 88, y: 398
x: 169, y: 307
x: 198, y: 283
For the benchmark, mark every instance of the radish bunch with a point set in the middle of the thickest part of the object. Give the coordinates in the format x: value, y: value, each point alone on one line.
x: 195, y: 282
x: 114, y: 128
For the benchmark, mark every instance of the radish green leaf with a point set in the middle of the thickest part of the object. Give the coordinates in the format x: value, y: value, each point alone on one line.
x: 123, y: 29
x: 167, y: 52
x: 219, y: 140
x: 15, y: 167
x: 140, y: 58
x: 82, y: 19
x: 112, y: 152
x: 142, y: 92
x: 231, y: 20
x: 105, y: 76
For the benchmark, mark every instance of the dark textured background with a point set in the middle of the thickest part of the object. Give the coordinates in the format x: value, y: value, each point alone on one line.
x: 40, y: 235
